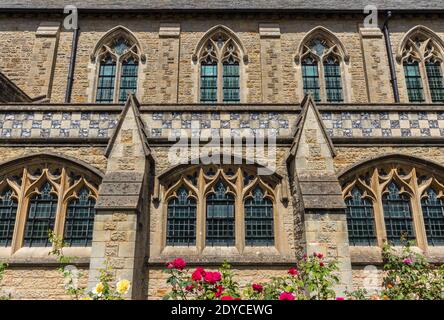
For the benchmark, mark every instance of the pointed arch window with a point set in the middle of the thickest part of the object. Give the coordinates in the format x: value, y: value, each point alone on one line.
x: 41, y: 217
x: 259, y: 227
x: 433, y: 211
x: 118, y: 70
x: 220, y: 222
x: 79, y: 221
x: 321, y: 70
x: 181, y: 220
x: 360, y: 219
x: 220, y: 70
x: 8, y: 212
x: 422, y: 55
x: 397, y: 214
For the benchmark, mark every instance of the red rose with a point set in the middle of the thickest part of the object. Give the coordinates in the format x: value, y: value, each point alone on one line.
x: 321, y: 264
x: 198, y: 274
x: 220, y: 289
x: 293, y: 271
x: 212, y: 277
x: 257, y: 287
x: 169, y: 265
x: 189, y: 287
x: 286, y: 296
x: 320, y: 255
x: 227, y: 298
x: 179, y: 264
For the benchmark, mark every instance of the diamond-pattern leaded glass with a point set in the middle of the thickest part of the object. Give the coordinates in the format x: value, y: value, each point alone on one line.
x: 360, y: 220
x: 106, y: 81
x: 8, y: 212
x: 413, y: 81
x: 397, y: 215
x: 208, y: 82
x: 333, y: 82
x: 436, y: 84
x: 220, y: 217
x: 231, y: 86
x: 259, y: 220
x: 41, y: 217
x: 310, y: 77
x: 128, y: 79
x: 433, y: 211
x: 181, y: 222
x: 79, y: 221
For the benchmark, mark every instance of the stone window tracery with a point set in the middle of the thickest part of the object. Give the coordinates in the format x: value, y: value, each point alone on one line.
x: 397, y: 201
x: 422, y: 56
x: 44, y: 195
x: 233, y: 206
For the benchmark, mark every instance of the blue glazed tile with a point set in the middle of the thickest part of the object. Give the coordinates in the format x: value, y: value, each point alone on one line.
x: 17, y: 124
x: 215, y: 116
x: 85, y: 116
x: 47, y: 116
x: 6, y: 133
x: 263, y: 124
x: 440, y: 115
x: 414, y: 124
x: 28, y: 116
x: 337, y: 124
x: 103, y: 116
x: 347, y: 133
x: 26, y: 133
x: 330, y: 132
x: 112, y: 124
x: 326, y: 116
x: 36, y: 124
x: 196, y: 116
x: 177, y: 115
x: 44, y: 133
x: 403, y: 116
x: 64, y: 133
x: 156, y: 132
x: 75, y: 124
x: 186, y: 124
x: 225, y: 124
x: 235, y: 132
x: 384, y: 115
x: 254, y: 116
x: 406, y: 133
x: 157, y: 116
x: 356, y: 124
x: 283, y: 124
x: 441, y: 132
x: 433, y: 123
x: 376, y: 124
x: 83, y: 133
x: 345, y: 116
x: 244, y: 124
x: 166, y: 124
x: 422, y: 115
x: 94, y: 124
x: 367, y: 132
x: 205, y: 124
x: 365, y: 116
x: 272, y: 116
x: 394, y: 124
x: 234, y: 116
x: 103, y: 133
x: 386, y: 132
x: 55, y: 124
x: 10, y: 116
x: 425, y: 132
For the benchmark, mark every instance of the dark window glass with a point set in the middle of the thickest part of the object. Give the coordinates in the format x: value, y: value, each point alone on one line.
x: 106, y: 81
x: 433, y: 211
x: 8, y: 212
x: 434, y: 75
x: 310, y: 77
x: 220, y: 217
x: 413, y: 81
x: 360, y: 220
x: 41, y: 217
x: 231, y: 86
x: 259, y: 229
x: 397, y: 215
x: 208, y: 83
x: 181, y: 221
x: 79, y: 221
x: 128, y: 79
x: 333, y: 82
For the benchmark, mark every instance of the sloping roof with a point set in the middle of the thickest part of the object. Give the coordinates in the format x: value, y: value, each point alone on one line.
x: 272, y: 5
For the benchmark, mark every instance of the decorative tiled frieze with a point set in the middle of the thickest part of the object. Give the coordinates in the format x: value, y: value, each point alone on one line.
x: 57, y: 124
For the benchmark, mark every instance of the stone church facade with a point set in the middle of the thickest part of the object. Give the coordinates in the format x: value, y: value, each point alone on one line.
x: 352, y: 114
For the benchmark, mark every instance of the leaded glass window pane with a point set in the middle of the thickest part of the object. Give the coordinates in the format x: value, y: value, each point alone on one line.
x: 128, y: 79
x: 41, y: 217
x: 333, y: 82
x: 8, y: 212
x: 181, y: 222
x: 220, y: 217
x: 106, y: 81
x: 436, y: 84
x: 231, y: 86
x: 310, y: 77
x: 433, y: 211
x: 360, y: 220
x: 397, y: 215
x: 79, y: 221
x: 413, y: 81
x: 259, y: 229
x: 208, y: 83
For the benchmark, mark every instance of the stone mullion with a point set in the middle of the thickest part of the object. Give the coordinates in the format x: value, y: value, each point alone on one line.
x: 381, y: 233
x: 200, y: 218
x: 117, y: 80
x: 322, y: 87
x: 425, y: 82
x: 239, y: 214
x: 61, y: 205
x: 220, y: 90
x: 22, y: 208
x: 418, y: 217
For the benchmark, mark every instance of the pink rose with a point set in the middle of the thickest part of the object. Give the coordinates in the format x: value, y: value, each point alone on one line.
x: 408, y: 261
x: 179, y: 264
x: 212, y: 277
x: 169, y: 265
x: 198, y: 274
x: 340, y: 298
x: 293, y: 271
x: 227, y: 298
x: 286, y: 296
x: 257, y: 287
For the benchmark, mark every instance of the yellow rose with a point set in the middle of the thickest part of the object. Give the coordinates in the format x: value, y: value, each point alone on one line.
x: 98, y: 289
x: 86, y: 298
x: 122, y: 286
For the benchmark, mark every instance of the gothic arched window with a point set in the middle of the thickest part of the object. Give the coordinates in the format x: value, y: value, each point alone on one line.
x: 220, y: 60
x: 79, y: 220
x: 41, y: 216
x: 117, y: 56
x: 433, y: 212
x: 259, y: 226
x: 397, y: 214
x: 8, y: 212
x: 220, y: 221
x: 321, y: 69
x: 421, y: 54
x: 181, y: 219
x: 360, y: 219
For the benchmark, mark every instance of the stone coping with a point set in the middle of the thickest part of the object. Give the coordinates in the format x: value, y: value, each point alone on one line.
x: 40, y: 256
x: 373, y: 255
